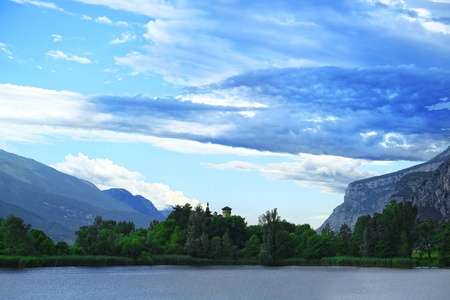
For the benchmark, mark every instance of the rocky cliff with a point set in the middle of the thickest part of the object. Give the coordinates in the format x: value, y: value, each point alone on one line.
x: 371, y: 195
x: 429, y: 191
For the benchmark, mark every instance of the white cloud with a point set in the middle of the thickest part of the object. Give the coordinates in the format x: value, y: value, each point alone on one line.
x: 36, y: 106
x: 39, y: 3
x: 151, y: 8
x: 330, y: 173
x: 104, y: 20
x: 394, y: 140
x: 105, y: 174
x: 368, y: 134
x: 56, y: 37
x: 125, y: 38
x: 32, y: 114
x: 87, y: 18
x: 122, y: 23
x: 437, y: 27
x: 57, y: 54
x: 6, y: 51
x: 238, y: 97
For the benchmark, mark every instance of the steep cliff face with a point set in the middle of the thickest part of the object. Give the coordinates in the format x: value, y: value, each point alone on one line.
x: 429, y: 191
x: 371, y: 195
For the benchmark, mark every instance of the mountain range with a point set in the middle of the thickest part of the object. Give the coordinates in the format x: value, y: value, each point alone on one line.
x: 59, y: 204
x: 426, y: 185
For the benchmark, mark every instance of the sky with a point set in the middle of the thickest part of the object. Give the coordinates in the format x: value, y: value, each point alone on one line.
x: 247, y: 104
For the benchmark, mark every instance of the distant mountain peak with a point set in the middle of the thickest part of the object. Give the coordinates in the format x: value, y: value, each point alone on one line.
x: 138, y: 202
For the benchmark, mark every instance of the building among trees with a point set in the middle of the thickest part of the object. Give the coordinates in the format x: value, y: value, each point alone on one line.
x: 226, y: 212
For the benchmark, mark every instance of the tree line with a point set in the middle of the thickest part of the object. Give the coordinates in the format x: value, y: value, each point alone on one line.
x: 196, y: 233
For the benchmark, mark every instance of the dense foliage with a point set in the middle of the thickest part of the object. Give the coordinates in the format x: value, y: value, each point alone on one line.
x: 195, y: 236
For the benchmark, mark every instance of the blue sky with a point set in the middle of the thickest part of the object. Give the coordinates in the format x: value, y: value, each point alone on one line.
x: 251, y: 105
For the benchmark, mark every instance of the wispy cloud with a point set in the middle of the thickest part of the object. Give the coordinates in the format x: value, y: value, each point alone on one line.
x: 87, y: 18
x: 151, y: 8
x: 56, y: 37
x: 58, y: 54
x: 39, y: 4
x: 106, y: 20
x: 330, y: 173
x: 126, y: 37
x: 205, y: 47
x: 105, y: 174
x: 4, y: 49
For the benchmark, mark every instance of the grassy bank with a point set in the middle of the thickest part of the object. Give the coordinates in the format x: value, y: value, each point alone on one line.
x: 369, y: 262
x: 185, y: 260
x: 63, y: 261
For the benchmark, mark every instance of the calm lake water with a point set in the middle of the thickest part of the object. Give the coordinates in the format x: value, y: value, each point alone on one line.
x: 224, y: 282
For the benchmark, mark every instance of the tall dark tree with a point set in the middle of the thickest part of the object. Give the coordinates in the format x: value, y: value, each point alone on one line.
x: 426, y: 237
x: 270, y: 223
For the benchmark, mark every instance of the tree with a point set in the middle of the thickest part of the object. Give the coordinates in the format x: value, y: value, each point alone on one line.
x: 395, y: 230
x: 42, y: 243
x: 443, y: 245
x: 342, y: 241
x: 316, y: 247
x: 426, y: 241
x: 253, y: 247
x: 16, y: 237
x: 215, y: 249
x: 357, y: 242
x: 270, y: 225
x: 62, y: 248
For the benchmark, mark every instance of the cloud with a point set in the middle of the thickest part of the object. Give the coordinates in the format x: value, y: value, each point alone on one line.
x: 107, y: 21
x: 104, y: 20
x: 126, y: 37
x: 214, y: 43
x: 382, y: 113
x: 105, y: 174
x: 329, y: 173
x: 122, y: 23
x: 151, y: 8
x: 86, y: 18
x: 39, y: 4
x: 57, y: 54
x: 56, y: 37
x: 6, y: 51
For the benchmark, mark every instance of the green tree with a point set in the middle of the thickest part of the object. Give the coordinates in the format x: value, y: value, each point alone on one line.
x: 42, y: 243
x: 253, y: 247
x: 443, y: 245
x: 16, y: 237
x: 316, y: 247
x: 357, y: 242
x: 270, y: 226
x: 215, y: 249
x: 62, y: 248
x: 342, y: 241
x: 426, y: 232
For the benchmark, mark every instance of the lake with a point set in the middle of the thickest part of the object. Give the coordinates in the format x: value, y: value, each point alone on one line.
x: 224, y: 282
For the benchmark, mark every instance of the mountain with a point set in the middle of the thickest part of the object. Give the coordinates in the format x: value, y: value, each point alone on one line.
x: 137, y: 202
x: 430, y: 191
x: 55, y: 202
x: 371, y: 195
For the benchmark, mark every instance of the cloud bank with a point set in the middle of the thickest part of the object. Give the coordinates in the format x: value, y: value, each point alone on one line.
x: 383, y: 113
x: 105, y: 175
x: 330, y: 173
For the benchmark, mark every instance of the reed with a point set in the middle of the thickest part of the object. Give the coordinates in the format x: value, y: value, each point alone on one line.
x: 369, y: 262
